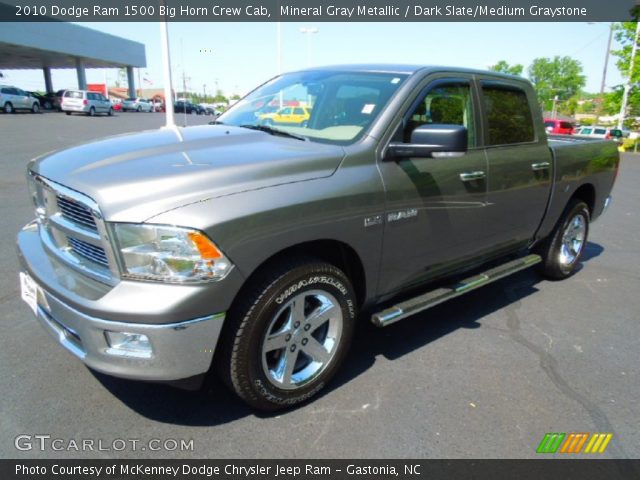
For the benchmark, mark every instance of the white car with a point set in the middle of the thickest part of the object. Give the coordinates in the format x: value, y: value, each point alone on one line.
x: 137, y: 105
x: 83, y: 101
x: 13, y: 98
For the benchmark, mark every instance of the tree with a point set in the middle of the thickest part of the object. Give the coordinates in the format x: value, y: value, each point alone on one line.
x: 503, y: 67
x: 625, y: 33
x: 560, y: 76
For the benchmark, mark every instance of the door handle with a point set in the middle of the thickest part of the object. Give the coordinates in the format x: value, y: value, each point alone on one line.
x: 471, y: 176
x: 536, y: 167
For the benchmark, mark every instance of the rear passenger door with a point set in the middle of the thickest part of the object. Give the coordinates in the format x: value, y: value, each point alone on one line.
x: 519, y: 162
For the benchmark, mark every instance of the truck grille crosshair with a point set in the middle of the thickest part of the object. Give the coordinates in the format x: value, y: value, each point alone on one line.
x: 76, y: 212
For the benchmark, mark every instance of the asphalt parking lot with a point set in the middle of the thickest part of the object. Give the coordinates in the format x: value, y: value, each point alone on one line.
x: 484, y: 376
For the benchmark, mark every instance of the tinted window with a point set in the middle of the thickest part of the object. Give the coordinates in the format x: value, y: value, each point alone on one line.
x: 508, y: 115
x: 5, y: 91
x: 614, y: 132
x: 72, y: 94
x: 566, y: 125
x: 298, y: 111
x: 600, y: 131
x: 549, y: 124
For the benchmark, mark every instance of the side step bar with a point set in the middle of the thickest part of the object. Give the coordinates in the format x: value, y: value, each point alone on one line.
x: 440, y: 295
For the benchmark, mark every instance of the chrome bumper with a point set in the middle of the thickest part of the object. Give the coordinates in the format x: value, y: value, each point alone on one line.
x: 77, y: 311
x: 179, y: 350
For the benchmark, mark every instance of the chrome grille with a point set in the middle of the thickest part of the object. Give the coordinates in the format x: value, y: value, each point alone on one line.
x: 76, y: 212
x: 71, y: 227
x: 93, y: 253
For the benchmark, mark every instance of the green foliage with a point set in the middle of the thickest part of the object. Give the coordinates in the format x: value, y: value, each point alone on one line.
x: 560, y: 76
x: 503, y: 67
x: 625, y: 34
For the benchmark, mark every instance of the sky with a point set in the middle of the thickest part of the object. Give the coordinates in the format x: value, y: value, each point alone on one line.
x: 236, y: 57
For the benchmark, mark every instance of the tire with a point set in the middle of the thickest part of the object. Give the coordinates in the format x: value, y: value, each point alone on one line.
x: 8, y: 108
x: 47, y: 105
x: 110, y: 112
x: 562, y: 250
x: 305, y: 124
x: 193, y: 112
x: 138, y: 109
x: 274, y: 355
x: 92, y: 112
x: 68, y: 113
x: 35, y: 108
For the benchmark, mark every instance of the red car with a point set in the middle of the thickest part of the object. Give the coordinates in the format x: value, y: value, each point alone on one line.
x: 562, y: 127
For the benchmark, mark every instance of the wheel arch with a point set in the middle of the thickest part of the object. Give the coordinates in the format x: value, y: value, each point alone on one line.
x: 587, y: 193
x: 335, y: 252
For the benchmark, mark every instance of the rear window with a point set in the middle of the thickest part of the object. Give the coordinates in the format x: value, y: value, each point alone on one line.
x: 615, y: 133
x: 73, y: 94
x: 508, y: 115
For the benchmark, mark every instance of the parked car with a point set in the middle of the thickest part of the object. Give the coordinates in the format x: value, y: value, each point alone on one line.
x: 45, y: 102
x: 182, y: 106
x: 409, y: 187
x: 287, y: 116
x: 117, y: 106
x: 14, y: 98
x: 597, y: 131
x: 137, y: 105
x: 83, y: 101
x: 208, y: 110
x: 559, y: 127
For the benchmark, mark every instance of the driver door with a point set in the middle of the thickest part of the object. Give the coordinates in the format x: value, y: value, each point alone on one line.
x: 435, y: 206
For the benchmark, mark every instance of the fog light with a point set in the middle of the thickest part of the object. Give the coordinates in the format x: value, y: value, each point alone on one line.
x: 125, y: 344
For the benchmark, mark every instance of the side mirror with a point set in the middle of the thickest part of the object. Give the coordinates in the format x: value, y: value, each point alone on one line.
x: 432, y: 141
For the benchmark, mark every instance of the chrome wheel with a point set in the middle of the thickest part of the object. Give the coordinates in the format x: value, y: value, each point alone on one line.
x: 302, y: 339
x: 573, y: 239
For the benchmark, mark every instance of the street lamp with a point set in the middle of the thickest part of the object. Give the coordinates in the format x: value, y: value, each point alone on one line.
x: 627, y: 85
x: 308, y: 31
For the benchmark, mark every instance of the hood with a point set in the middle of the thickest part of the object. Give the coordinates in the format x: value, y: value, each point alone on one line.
x: 136, y: 176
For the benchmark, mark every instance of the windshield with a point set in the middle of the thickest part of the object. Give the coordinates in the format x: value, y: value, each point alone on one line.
x: 324, y: 106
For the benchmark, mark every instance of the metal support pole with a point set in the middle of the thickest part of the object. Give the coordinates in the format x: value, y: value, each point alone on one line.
x: 131, y: 83
x: 48, y: 84
x: 166, y: 69
x: 82, y: 77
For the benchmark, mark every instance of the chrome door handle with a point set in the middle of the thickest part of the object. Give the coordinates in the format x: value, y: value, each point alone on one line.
x: 471, y: 176
x: 540, y: 166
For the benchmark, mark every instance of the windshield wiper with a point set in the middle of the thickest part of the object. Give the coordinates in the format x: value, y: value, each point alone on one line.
x: 273, y: 131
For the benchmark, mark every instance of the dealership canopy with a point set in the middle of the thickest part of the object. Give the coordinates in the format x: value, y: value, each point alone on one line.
x: 51, y: 45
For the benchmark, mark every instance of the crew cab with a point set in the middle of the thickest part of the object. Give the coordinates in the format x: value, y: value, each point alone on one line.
x: 252, y: 250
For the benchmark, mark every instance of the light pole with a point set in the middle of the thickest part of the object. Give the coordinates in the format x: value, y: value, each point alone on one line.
x: 166, y: 67
x: 308, y: 31
x: 627, y: 85
x: 606, y: 60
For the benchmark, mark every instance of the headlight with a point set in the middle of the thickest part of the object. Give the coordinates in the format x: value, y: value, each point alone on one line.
x: 170, y: 254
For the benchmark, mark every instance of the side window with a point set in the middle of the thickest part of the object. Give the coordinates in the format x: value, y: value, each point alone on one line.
x: 298, y: 111
x: 508, y: 115
x: 444, y: 105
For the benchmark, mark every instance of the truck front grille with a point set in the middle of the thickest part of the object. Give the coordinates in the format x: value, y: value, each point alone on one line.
x: 76, y: 212
x: 91, y: 252
x: 71, y: 228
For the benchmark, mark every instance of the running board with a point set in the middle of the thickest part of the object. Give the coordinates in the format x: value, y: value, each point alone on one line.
x: 435, y: 297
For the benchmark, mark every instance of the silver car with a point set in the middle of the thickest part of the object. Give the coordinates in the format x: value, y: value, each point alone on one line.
x: 137, y: 105
x: 13, y: 98
x: 83, y: 101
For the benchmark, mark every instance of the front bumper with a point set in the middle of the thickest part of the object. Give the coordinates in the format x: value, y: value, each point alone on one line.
x: 180, y: 349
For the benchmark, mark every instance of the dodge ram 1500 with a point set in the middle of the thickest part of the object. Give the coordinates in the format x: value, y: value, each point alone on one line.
x: 251, y: 247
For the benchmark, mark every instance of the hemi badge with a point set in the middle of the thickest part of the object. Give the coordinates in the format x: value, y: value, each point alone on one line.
x: 371, y: 221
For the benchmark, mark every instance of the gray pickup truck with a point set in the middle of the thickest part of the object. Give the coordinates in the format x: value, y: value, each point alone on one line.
x: 252, y: 246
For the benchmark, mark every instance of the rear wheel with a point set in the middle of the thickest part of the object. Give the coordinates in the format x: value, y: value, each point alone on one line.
x: 92, y: 112
x: 289, y: 336
x: 561, y: 252
x: 35, y: 108
x: 8, y: 108
x: 110, y: 112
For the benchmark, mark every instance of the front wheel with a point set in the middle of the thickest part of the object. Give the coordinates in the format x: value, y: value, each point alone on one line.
x: 92, y: 112
x: 288, y: 337
x: 35, y: 108
x: 561, y: 252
